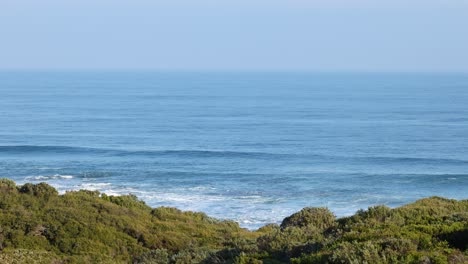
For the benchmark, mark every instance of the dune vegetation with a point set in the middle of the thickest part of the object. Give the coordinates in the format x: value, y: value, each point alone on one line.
x: 37, y: 225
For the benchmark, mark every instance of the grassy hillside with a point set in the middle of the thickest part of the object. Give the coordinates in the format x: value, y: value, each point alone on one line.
x: 39, y: 226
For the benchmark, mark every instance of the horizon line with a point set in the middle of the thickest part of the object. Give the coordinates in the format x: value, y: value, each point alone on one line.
x: 234, y: 70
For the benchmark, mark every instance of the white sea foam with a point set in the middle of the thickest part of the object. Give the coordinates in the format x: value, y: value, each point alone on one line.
x: 98, y: 186
x: 107, y: 188
x: 94, y: 185
x: 172, y: 197
x: 50, y: 177
x: 201, y: 188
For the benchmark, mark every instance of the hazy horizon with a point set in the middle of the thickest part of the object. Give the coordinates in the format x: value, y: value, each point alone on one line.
x: 230, y: 71
x: 319, y: 36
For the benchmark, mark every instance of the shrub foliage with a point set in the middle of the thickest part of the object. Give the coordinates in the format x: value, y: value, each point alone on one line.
x: 37, y: 225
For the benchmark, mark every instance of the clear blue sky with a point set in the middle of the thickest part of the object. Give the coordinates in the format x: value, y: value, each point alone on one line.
x: 334, y: 35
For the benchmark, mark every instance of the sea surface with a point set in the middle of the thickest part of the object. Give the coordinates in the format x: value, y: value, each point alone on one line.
x: 251, y: 147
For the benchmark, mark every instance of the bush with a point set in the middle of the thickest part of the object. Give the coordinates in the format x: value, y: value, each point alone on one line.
x: 7, y: 184
x: 128, y: 201
x: 321, y: 218
x: 42, y: 190
x: 158, y: 256
x: 39, y: 226
x: 355, y: 252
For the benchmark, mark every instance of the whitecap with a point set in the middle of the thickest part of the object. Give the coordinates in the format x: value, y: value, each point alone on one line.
x: 37, y: 178
x: 50, y: 177
x: 64, y: 176
x: 94, y: 186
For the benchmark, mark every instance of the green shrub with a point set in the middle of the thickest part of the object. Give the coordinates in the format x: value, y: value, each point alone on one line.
x: 158, y: 256
x: 355, y: 252
x: 39, y: 226
x: 42, y: 190
x: 321, y: 218
x: 243, y: 259
x: 128, y: 201
x: 7, y: 184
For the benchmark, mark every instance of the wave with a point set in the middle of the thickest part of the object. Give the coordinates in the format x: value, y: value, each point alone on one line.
x: 32, y: 149
x: 199, y: 153
x: 312, y: 158
x: 24, y: 149
x: 386, y: 160
x: 410, y: 160
x: 51, y: 177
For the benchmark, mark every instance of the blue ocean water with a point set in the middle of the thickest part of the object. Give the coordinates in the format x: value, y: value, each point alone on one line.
x: 252, y: 147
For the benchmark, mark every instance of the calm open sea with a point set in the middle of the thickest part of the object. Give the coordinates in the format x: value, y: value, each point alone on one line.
x: 252, y: 147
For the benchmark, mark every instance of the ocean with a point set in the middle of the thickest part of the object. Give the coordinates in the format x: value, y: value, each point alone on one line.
x: 252, y: 147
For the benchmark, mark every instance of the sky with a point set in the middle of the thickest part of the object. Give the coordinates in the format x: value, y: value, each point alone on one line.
x: 334, y: 35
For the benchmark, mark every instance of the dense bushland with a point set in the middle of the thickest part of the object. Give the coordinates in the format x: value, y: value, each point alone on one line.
x: 37, y: 225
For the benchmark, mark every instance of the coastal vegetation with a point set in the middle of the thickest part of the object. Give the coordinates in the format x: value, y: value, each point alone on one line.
x: 37, y: 225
